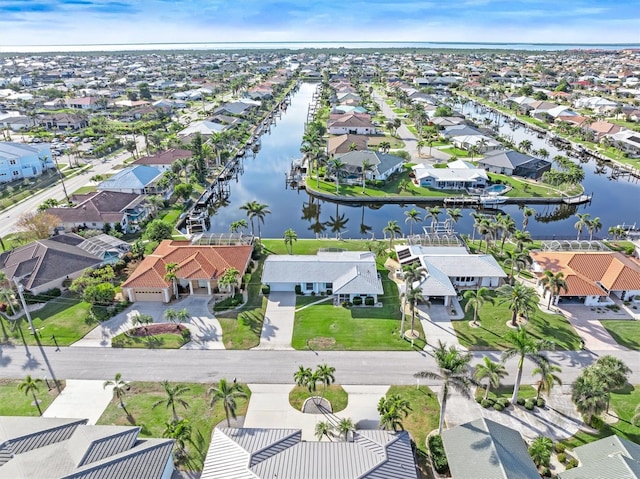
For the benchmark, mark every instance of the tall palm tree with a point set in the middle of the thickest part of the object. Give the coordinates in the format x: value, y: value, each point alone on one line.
x: 326, y: 375
x: 583, y: 221
x: 260, y: 211
x: 393, y: 409
x: 521, y: 238
x: 4, y: 287
x: 414, y: 296
x: 180, y: 431
x: 507, y: 227
x: 250, y: 208
x: 526, y: 214
x: 589, y: 394
x: 593, y: 226
x: 492, y: 371
x: 393, y: 228
x: 367, y: 167
x: 453, y: 371
x: 412, y: 217
x: 336, y: 165
x: 170, y: 274
x: 289, y: 237
x: 553, y: 284
x: 31, y: 386
x: 120, y: 389
x: 156, y: 203
x: 522, y: 346
x: 520, y: 299
x: 227, y: 393
x: 548, y: 376
x: 454, y: 214
x: 345, y: 426
x: 412, y: 273
x: 475, y: 299
x: 238, y: 226
x: 434, y: 212
x: 172, y: 399
x: 323, y: 429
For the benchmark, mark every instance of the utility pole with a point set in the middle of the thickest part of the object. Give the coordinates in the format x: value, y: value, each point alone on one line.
x: 24, y: 305
x: 64, y: 188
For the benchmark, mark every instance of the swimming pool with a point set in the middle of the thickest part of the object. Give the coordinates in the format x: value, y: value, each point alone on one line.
x: 496, y: 189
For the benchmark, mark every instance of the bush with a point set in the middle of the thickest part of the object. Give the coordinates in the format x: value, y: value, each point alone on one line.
x: 266, y: 289
x: 498, y: 407
x: 313, y: 293
x: 520, y: 402
x: 357, y: 301
x: 369, y: 301
x: 596, y: 423
x: 438, y: 457
x: 329, y: 292
x: 479, y: 399
x: 186, y: 335
x: 504, y: 402
x: 540, y: 402
x: 562, y: 457
x: 546, y: 472
x: 529, y: 405
x: 298, y: 289
x: 486, y: 403
x: 560, y: 447
x: 573, y: 462
x: 42, y: 297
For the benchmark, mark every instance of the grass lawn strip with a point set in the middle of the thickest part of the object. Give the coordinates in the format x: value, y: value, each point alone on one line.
x: 201, y: 416
x: 15, y: 403
x: 625, y: 332
x: 493, y: 320
x: 526, y: 391
x: 337, y: 396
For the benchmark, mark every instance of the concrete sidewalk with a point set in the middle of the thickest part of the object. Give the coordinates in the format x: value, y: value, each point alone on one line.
x: 277, y: 328
x: 81, y: 400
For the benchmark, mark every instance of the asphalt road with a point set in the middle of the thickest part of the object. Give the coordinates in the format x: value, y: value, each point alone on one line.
x: 269, y: 367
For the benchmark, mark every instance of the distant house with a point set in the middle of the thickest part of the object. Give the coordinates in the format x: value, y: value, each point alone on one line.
x: 204, y: 128
x: 19, y: 161
x: 482, y: 142
x: 485, y: 449
x: 85, y: 103
x: 199, y: 268
x: 237, y: 107
x: 592, y: 277
x: 337, y: 145
x: 351, y: 123
x: 460, y: 130
x: 610, y: 456
x: 514, y: 163
x: 449, y: 269
x: 628, y: 141
x: 345, y: 274
x: 383, y: 165
x: 140, y: 179
x: 96, y: 209
x: 281, y: 453
x: 163, y: 161
x: 15, y: 121
x: 62, y: 121
x: 450, y: 178
x: 57, y: 448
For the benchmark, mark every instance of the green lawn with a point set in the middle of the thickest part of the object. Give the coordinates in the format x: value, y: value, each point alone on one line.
x: 453, y: 151
x: 328, y: 327
x: 16, y: 403
x: 390, y: 188
x: 526, y: 391
x: 311, y: 246
x: 623, y: 404
x: 170, y: 215
x: 493, y: 319
x: 337, y: 396
x: 67, y: 318
x: 158, y: 341
x: 201, y: 415
x: 625, y: 332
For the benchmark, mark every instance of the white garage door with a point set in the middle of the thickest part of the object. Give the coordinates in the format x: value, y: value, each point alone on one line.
x: 283, y: 287
x: 142, y: 295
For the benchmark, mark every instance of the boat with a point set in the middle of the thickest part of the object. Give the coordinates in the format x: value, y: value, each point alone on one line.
x: 492, y: 200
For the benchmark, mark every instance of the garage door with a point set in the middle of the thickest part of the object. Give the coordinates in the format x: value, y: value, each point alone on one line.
x: 282, y: 287
x: 148, y: 295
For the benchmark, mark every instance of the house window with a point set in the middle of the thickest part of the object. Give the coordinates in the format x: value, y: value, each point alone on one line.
x: 328, y: 285
x: 15, y: 173
x: 12, y: 162
x: 308, y: 286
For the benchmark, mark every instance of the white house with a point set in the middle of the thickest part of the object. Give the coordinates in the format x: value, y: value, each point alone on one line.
x: 383, y: 165
x: 351, y: 123
x: 18, y: 161
x: 345, y: 274
x: 450, y: 178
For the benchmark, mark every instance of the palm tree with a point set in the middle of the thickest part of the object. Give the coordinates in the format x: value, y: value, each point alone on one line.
x: 325, y: 374
x: 412, y: 273
x: 414, y: 296
x: 412, y: 216
x: 507, y: 227
x: 229, y: 279
x: 289, y: 237
x: 593, y: 226
x: 393, y: 229
x: 367, y: 167
x: 492, y: 371
x: 120, y: 389
x: 521, y: 238
x: 525, y: 145
x: 156, y: 203
x: 261, y: 210
x: 548, y: 376
x: 250, y: 207
x: 393, y: 409
x: 172, y: 398
x: 540, y: 451
x: 522, y: 346
x: 612, y: 372
x: 180, y: 431
x: 344, y: 427
x: 4, y: 282
x: 635, y: 420
x: 589, y: 394
x: 526, y: 214
x: 454, y: 214
x: 475, y: 299
x: 304, y: 377
x: 227, y: 393
x: 434, y: 212
x: 336, y: 165
x: 453, y: 371
x: 520, y: 299
x: 553, y: 284
x: 323, y: 429
x: 420, y: 145
x: 170, y: 274
x: 583, y: 220
x: 31, y: 386
x: 238, y: 226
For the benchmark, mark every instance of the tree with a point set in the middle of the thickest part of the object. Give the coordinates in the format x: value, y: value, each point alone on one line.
x: 325, y: 374
x: 157, y: 230
x: 589, y: 394
x: 548, y: 376
x: 180, y: 431
x: 250, y: 208
x: 517, y: 260
x: 260, y: 211
x: 475, y: 299
x: 227, y: 393
x: 37, y: 225
x: 229, y: 279
x: 453, y: 371
x: 170, y: 275
x: 522, y: 346
x: 323, y: 429
x: 345, y: 427
x: 393, y: 409
x: 521, y: 238
x: 238, y: 226
x: 336, y: 165
x: 414, y: 296
x: 5, y: 289
x: 635, y: 420
x: 525, y: 145
x: 138, y: 248
x: 393, y: 229
x: 612, y: 372
x: 31, y: 386
x: 490, y: 370
x: 177, y: 316
x: 454, y: 214
x: 520, y: 299
x: 289, y: 237
x: 540, y: 451
x: 48, y: 203
x: 304, y: 377
x: 142, y: 320
x: 367, y: 167
x: 583, y: 221
x: 434, y: 213
x: 172, y: 399
x: 553, y: 284
x: 183, y: 191
x: 526, y: 214
x: 593, y: 226
x: 120, y: 389
x: 412, y: 217
x: 99, y: 293
x: 412, y: 273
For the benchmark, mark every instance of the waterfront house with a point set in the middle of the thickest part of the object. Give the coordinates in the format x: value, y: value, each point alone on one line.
x: 203, y: 127
x: 592, y: 277
x: 19, y: 161
x: 514, y: 163
x: 611, y: 456
x: 140, y: 179
x: 163, y: 160
x: 383, y: 165
x: 337, y: 145
x: 450, y: 178
x: 345, y: 274
x: 198, y: 269
x: 351, y: 123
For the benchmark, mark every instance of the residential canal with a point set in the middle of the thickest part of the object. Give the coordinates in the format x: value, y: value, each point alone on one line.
x: 263, y: 180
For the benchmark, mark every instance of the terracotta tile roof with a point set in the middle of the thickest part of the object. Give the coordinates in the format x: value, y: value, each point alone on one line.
x: 194, y: 262
x: 587, y: 273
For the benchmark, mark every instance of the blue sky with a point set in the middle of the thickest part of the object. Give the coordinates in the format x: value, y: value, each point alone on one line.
x: 44, y: 22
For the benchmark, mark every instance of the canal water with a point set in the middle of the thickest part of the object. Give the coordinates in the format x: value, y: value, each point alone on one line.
x: 263, y: 180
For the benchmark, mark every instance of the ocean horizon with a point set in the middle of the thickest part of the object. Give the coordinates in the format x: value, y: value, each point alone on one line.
x: 204, y: 46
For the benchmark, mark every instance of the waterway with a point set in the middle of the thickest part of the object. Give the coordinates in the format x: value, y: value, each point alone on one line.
x: 263, y: 180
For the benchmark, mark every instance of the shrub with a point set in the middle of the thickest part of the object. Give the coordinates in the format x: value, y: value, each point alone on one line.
x: 573, y: 462
x: 118, y: 342
x: 540, y: 402
x: 266, y: 289
x: 529, y: 405
x: 313, y: 293
x: 560, y: 447
x: 486, y: 403
x: 520, y: 402
x: 42, y: 297
x: 479, y: 399
x: 357, y: 301
x: 298, y: 289
x: 498, y: 407
x: 546, y: 472
x: 329, y: 292
x: 186, y: 335
x: 504, y: 402
x: 369, y: 301
x: 596, y: 422
x: 438, y: 456
x: 562, y: 457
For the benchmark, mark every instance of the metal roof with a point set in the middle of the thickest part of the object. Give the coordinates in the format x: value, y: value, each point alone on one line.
x: 611, y: 456
x: 134, y: 178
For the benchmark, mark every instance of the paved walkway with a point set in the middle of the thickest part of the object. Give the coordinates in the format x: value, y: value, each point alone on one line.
x: 269, y: 408
x: 81, y: 400
x: 206, y: 332
x: 277, y: 328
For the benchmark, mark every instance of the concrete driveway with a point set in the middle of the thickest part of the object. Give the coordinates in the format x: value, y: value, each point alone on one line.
x: 586, y: 321
x: 81, y: 400
x: 277, y: 328
x: 206, y: 332
x: 436, y: 322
